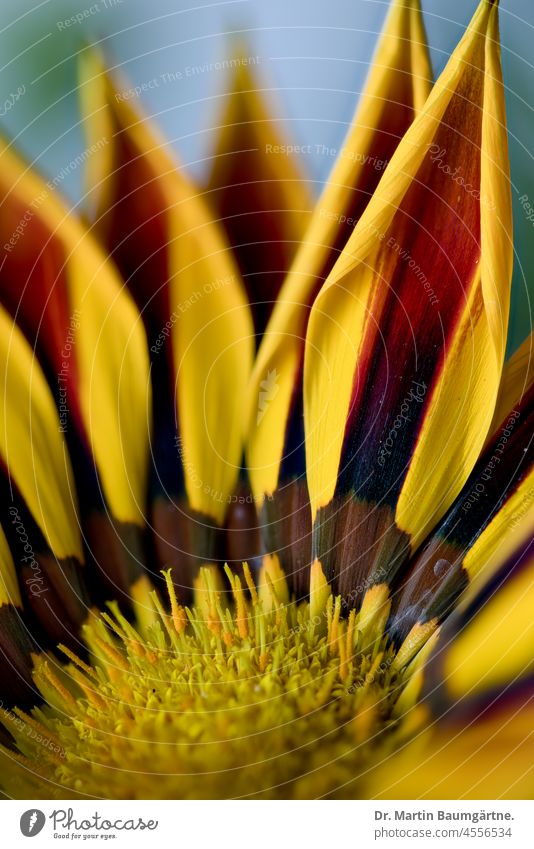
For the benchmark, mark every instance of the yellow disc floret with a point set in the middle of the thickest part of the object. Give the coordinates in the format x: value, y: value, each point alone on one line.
x: 247, y: 694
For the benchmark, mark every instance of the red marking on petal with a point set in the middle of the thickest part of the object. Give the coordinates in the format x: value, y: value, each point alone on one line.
x: 135, y: 231
x: 432, y: 246
x: 34, y: 289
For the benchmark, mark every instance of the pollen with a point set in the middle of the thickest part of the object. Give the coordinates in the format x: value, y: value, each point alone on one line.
x: 245, y: 694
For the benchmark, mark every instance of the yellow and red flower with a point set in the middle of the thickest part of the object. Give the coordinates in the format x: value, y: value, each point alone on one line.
x: 373, y: 634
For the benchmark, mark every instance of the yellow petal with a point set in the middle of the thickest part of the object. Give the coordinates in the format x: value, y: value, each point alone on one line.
x: 31, y: 445
x: 488, y: 759
x: 487, y: 645
x: 9, y: 588
x: 497, y: 647
x: 320, y: 591
x: 272, y: 585
x: 479, y: 683
x: 257, y: 188
x: 516, y: 380
x: 398, y: 84
x: 183, y: 277
x: 72, y: 303
x: 405, y: 345
x: 491, y: 508
x: 114, y: 384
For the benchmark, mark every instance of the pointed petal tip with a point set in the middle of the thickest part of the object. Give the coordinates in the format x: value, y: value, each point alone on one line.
x: 335, y: 432
x: 272, y: 584
x: 320, y: 590
x: 414, y: 642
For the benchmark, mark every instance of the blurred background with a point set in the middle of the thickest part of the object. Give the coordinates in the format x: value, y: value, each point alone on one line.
x: 312, y: 57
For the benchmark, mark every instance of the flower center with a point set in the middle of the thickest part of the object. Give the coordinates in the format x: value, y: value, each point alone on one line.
x: 241, y: 696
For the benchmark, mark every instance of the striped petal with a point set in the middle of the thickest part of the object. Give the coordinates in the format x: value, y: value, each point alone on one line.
x: 72, y: 306
x: 38, y: 509
x: 479, y: 685
x: 487, y: 647
x: 396, y: 89
x: 178, y: 266
x: 490, y: 758
x: 406, y: 340
x: 491, y: 506
x: 257, y: 189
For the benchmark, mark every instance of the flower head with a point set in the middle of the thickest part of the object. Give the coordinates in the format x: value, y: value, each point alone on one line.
x: 274, y: 574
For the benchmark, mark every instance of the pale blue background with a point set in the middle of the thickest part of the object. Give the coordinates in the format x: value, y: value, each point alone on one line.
x: 313, y: 56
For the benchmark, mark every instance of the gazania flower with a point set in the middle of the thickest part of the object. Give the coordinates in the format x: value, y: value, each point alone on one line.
x: 267, y: 479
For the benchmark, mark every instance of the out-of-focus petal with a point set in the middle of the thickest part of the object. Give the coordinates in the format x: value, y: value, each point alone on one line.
x: 473, y: 665
x: 396, y: 89
x: 177, y: 264
x: 31, y: 446
x: 488, y: 759
x: 492, y: 505
x: 517, y: 378
x: 406, y: 340
x: 257, y: 188
x: 37, y: 496
x: 71, y: 304
x: 478, y: 683
x: 486, y: 647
